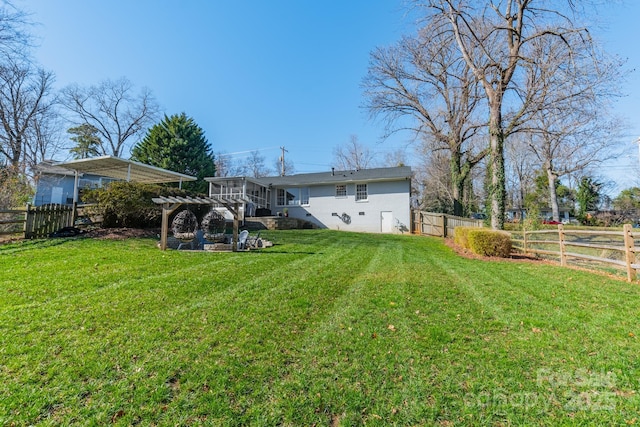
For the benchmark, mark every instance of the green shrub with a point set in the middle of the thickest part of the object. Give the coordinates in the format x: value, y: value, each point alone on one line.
x: 129, y: 204
x: 489, y: 242
x: 533, y: 220
x: 461, y: 236
x: 15, y: 190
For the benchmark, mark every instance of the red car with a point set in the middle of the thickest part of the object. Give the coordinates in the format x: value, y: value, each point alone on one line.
x: 551, y: 222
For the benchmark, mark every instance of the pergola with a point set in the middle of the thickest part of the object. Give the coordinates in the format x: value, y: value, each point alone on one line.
x: 123, y: 169
x: 170, y: 204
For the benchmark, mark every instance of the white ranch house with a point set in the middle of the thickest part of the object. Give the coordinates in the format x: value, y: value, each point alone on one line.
x: 368, y: 200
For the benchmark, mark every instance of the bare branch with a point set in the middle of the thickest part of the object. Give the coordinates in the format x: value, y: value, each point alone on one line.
x: 112, y: 108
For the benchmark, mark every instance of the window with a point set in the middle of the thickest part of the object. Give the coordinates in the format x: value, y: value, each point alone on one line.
x: 361, y: 192
x: 341, y: 190
x: 304, y: 196
x: 292, y: 196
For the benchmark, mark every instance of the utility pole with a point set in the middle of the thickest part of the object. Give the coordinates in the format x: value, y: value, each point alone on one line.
x: 282, y: 168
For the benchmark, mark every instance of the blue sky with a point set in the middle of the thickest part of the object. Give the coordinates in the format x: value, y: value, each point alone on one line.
x: 260, y: 74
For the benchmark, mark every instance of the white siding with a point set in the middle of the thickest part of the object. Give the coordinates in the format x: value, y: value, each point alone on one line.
x: 345, y: 213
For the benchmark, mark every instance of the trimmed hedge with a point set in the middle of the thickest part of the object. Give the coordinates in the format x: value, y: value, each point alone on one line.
x: 490, y: 243
x: 482, y: 241
x: 461, y: 236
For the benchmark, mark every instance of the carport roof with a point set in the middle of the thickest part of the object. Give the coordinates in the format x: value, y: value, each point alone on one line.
x: 126, y: 170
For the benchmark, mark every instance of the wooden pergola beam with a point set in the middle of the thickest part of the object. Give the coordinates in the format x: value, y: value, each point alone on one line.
x: 167, y: 209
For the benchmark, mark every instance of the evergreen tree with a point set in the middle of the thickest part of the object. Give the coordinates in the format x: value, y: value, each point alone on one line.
x: 588, y: 197
x: 178, y: 144
x: 87, y: 141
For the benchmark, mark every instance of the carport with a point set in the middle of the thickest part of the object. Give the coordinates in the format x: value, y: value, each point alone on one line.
x: 122, y: 169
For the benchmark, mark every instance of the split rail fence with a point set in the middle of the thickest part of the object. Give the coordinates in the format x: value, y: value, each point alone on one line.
x: 614, y: 247
x: 440, y: 225
x: 35, y: 222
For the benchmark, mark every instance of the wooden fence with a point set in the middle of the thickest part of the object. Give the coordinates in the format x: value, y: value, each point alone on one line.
x: 36, y: 222
x: 440, y: 225
x: 616, y: 247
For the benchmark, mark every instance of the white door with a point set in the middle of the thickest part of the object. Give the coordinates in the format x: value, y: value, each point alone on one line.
x: 386, y: 222
x: 56, y: 195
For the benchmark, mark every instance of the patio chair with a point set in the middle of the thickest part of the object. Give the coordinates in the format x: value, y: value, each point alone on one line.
x: 200, y: 240
x: 184, y: 228
x: 242, y: 239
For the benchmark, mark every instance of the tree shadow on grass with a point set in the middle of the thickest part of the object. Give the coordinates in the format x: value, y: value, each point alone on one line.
x: 27, y: 245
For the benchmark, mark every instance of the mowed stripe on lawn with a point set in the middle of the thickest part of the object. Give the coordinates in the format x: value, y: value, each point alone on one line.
x: 325, y: 327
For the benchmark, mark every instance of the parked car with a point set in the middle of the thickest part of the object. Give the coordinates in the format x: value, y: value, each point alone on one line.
x: 551, y: 222
x: 479, y: 215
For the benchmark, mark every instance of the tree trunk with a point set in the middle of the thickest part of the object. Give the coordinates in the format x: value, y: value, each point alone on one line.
x: 498, y: 190
x: 553, y: 196
x: 457, y: 182
x: 16, y: 158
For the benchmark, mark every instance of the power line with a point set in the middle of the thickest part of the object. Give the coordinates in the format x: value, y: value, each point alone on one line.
x: 245, y: 152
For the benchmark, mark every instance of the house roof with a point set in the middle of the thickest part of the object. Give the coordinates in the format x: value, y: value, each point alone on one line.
x: 127, y: 170
x: 51, y: 167
x: 329, y: 177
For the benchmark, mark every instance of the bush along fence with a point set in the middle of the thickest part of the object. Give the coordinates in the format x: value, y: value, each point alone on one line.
x: 438, y: 224
x: 37, y: 221
x: 483, y: 241
x: 610, y: 247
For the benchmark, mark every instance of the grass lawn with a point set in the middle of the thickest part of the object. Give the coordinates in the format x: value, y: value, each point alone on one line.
x: 325, y: 328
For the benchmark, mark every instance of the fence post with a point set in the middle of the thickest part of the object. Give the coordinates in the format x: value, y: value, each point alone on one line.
x: 74, y: 214
x: 563, y: 255
x: 524, y: 240
x: 28, y: 221
x: 445, y: 224
x: 629, y: 251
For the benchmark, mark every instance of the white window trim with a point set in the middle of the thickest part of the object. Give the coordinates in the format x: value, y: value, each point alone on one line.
x: 278, y: 189
x: 356, y: 193
x: 346, y: 192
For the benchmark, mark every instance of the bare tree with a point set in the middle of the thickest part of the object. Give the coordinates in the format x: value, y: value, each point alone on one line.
x: 44, y: 137
x: 395, y: 158
x: 353, y: 155
x: 113, y: 109
x: 25, y: 108
x: 433, y: 182
x: 255, y: 165
x: 520, y: 169
x: 289, y: 167
x: 425, y: 79
x: 569, y: 145
x: 14, y: 37
x: 497, y: 38
x: 225, y: 166
x: 570, y: 131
